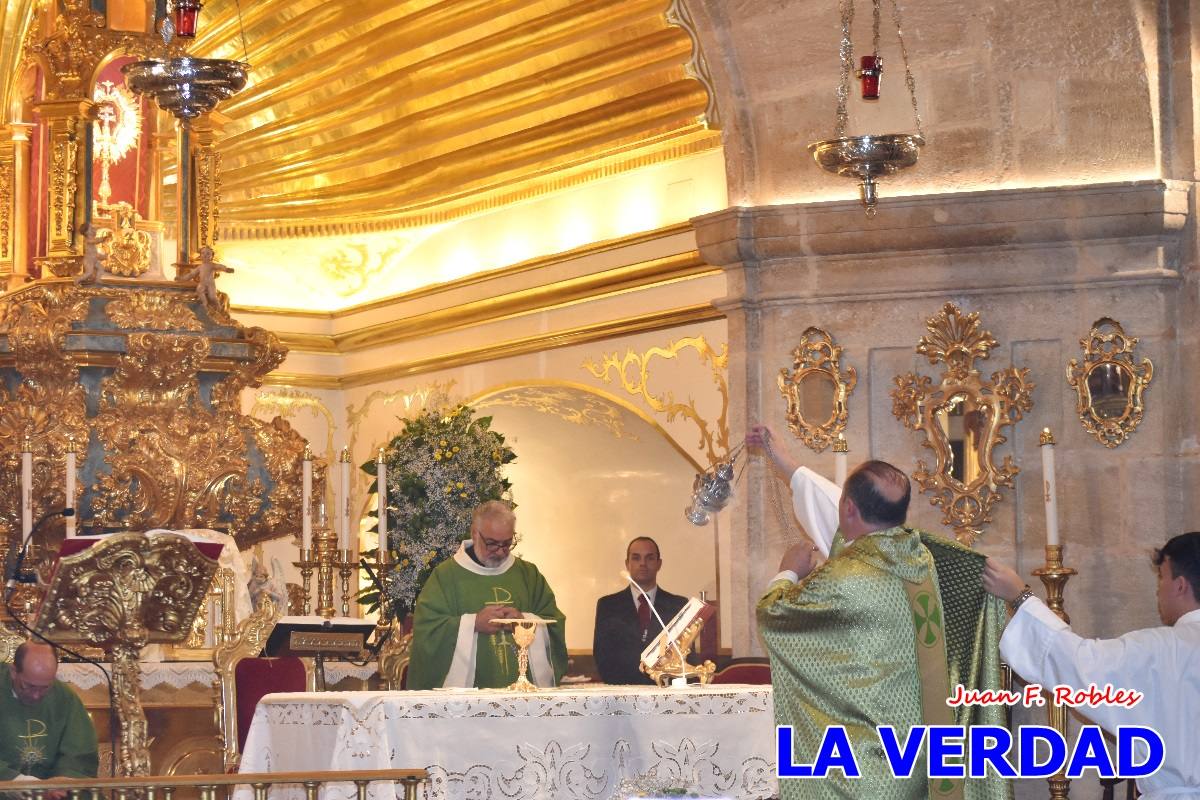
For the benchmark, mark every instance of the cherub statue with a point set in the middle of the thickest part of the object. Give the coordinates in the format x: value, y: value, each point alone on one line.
x: 205, y: 275
x: 93, y: 259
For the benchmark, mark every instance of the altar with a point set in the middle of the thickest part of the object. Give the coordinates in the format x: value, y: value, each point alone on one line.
x: 555, y: 744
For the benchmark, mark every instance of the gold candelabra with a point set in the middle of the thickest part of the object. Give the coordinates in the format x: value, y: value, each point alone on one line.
x: 326, y: 559
x: 1054, y: 577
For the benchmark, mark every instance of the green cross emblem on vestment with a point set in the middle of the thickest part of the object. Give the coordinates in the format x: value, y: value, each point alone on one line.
x: 927, y: 619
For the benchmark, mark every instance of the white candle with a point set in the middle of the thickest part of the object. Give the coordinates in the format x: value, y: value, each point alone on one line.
x: 306, y: 501
x: 344, y: 500
x: 26, y: 491
x: 381, y: 489
x: 841, y: 452
x: 70, y: 488
x: 1049, y: 493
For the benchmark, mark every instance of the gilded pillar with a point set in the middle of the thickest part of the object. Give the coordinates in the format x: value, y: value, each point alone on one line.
x: 21, y: 133
x: 66, y: 122
x: 7, y: 184
x: 199, y: 196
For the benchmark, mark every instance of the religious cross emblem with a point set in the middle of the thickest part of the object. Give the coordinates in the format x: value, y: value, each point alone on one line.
x: 927, y: 619
x: 32, y: 752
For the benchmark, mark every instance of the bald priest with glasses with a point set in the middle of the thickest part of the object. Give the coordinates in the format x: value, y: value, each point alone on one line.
x: 456, y: 640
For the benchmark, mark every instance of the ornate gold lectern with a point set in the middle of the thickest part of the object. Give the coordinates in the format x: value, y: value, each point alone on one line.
x: 121, y: 593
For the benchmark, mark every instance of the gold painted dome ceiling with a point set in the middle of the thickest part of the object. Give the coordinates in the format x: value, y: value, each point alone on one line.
x: 378, y: 112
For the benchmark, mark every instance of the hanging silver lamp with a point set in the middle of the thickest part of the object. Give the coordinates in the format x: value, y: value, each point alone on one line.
x: 870, y: 157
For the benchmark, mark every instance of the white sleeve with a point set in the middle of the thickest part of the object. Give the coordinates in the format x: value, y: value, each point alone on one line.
x: 461, y: 674
x: 815, y: 503
x: 1041, y: 648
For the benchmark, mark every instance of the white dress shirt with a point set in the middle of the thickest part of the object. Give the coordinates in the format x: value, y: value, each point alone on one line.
x: 1163, y: 663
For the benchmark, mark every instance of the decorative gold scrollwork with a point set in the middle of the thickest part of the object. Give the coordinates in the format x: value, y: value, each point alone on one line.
x: 962, y: 418
x: 1109, y: 383
x: 817, y: 389
x: 711, y: 442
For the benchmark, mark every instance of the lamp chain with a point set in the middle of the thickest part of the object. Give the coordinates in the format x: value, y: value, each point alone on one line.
x: 876, y: 13
x: 909, y: 81
x: 776, y: 500
x: 846, y: 51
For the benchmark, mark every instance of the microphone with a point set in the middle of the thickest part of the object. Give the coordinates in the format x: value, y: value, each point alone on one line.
x: 11, y: 584
x: 676, y: 682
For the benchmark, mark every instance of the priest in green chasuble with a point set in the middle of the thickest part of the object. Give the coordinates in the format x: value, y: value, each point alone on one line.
x: 456, y: 641
x: 879, y: 633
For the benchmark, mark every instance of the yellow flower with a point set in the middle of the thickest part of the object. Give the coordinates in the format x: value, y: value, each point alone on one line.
x: 437, y: 456
x: 463, y: 495
x: 458, y: 485
x: 454, y: 449
x: 449, y: 489
x: 443, y: 443
x: 404, y: 563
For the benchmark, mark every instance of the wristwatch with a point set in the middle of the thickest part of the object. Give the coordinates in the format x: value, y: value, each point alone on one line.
x: 1025, y: 594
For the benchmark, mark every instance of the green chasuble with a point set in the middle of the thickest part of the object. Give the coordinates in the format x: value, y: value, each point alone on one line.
x: 879, y: 634
x: 446, y: 651
x: 53, y: 738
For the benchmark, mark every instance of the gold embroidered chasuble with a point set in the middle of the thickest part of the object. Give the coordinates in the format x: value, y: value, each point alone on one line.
x: 876, y: 635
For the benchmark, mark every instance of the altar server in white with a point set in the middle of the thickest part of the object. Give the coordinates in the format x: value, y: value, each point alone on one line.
x: 1163, y: 663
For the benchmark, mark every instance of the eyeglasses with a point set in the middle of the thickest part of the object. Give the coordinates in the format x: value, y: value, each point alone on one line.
x: 503, y: 545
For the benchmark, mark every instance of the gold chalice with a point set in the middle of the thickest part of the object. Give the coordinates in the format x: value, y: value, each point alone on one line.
x: 524, y: 631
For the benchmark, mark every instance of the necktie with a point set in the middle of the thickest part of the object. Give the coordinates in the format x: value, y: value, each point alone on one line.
x: 644, y: 615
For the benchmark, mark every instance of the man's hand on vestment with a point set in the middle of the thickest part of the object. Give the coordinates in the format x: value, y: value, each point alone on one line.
x: 1000, y: 579
x: 801, y: 558
x: 484, y: 619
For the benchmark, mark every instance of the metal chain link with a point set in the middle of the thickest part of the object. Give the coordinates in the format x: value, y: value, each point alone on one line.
x: 876, y: 13
x: 846, y: 51
x: 909, y: 81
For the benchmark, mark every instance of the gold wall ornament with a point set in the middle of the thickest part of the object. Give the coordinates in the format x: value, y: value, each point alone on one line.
x: 962, y: 418
x: 816, y: 389
x: 711, y: 441
x: 1109, y: 383
x: 352, y: 265
x: 158, y: 311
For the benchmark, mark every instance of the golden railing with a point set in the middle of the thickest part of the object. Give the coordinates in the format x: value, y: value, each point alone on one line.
x: 210, y: 787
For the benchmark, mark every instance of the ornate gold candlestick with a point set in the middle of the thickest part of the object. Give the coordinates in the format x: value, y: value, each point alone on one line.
x: 307, y: 563
x: 324, y: 560
x: 346, y: 565
x: 1054, y: 577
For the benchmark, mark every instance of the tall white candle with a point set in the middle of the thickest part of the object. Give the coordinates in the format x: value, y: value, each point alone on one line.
x: 26, y: 489
x: 70, y: 486
x: 841, y: 452
x: 1049, y: 492
x: 381, y: 489
x: 306, y: 500
x: 344, y: 500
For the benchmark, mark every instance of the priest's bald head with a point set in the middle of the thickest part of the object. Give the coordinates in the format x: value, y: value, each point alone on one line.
x: 875, y: 497
x: 32, y: 671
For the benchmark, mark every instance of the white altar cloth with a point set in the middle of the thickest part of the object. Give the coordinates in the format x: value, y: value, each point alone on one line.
x: 557, y: 744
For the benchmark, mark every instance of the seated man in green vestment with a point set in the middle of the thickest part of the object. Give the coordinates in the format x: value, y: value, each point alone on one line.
x: 878, y: 634
x: 44, y: 730
x: 456, y: 641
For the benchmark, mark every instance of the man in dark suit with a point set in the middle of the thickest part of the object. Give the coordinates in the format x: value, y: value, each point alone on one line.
x: 624, y: 624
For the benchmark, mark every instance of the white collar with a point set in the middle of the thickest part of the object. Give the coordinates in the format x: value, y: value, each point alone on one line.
x: 653, y: 594
x: 1192, y: 617
x: 464, y: 560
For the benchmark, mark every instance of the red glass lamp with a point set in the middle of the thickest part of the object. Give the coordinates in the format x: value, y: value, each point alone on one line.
x: 187, y: 12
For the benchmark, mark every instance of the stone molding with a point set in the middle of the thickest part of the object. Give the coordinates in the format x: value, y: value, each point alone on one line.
x: 987, y: 241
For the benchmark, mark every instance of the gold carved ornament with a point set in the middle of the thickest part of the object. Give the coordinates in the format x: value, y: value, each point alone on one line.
x: 962, y: 419
x: 127, y: 249
x: 246, y: 642
x: 1109, y: 383
x: 817, y: 389
x: 121, y: 594
x: 665, y: 403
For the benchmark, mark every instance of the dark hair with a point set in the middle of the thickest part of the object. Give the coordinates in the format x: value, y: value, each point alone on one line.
x: 657, y: 552
x: 862, y: 487
x: 1184, y: 552
x: 22, y: 649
